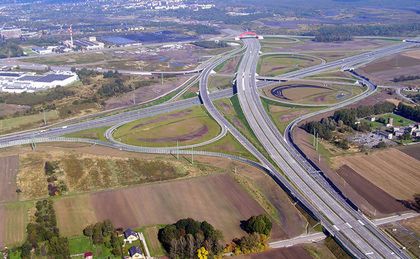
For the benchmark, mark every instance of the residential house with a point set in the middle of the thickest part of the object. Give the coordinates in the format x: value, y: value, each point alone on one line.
x: 135, y: 252
x: 130, y: 235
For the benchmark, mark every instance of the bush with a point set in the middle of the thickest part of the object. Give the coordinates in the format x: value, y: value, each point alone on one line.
x: 260, y: 224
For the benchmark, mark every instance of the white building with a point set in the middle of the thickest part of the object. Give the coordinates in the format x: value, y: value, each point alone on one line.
x: 30, y: 82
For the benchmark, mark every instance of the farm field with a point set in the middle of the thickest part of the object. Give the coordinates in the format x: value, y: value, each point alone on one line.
x: 218, y: 200
x: 345, y: 48
x: 318, y: 250
x: 224, y: 199
x: 384, y: 70
x: 9, y: 167
x: 406, y: 232
x: 311, y: 92
x: 370, y: 198
x: 412, y: 150
x: 391, y: 170
x: 13, y: 220
x: 274, y: 65
x: 188, y: 126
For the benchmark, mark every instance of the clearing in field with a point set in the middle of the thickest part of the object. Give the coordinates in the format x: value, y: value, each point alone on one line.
x: 9, y: 167
x: 312, y: 93
x: 391, y: 170
x: 190, y: 126
x: 274, y: 65
x: 217, y: 199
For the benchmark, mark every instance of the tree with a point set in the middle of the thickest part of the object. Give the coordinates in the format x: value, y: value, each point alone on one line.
x: 107, y: 227
x: 97, y: 236
x: 59, y: 247
x: 259, y: 224
x: 202, y: 253
x: 88, y: 231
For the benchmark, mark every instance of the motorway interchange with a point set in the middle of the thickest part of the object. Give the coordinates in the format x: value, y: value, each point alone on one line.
x: 357, y: 234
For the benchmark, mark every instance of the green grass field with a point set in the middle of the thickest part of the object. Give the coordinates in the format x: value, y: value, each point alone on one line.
x: 81, y: 244
x: 96, y: 133
x: 282, y: 115
x: 229, y: 145
x: 190, y: 126
x: 23, y: 122
x: 307, y: 93
x: 231, y: 110
x: 217, y: 82
x: 399, y: 121
x: 274, y: 65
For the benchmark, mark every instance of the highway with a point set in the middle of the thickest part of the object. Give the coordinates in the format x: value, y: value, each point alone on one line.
x: 318, y: 236
x: 352, y: 229
x: 336, y: 216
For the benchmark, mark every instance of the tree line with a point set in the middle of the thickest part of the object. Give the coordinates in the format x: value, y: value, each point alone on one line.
x: 348, y: 117
x: 43, y: 237
x: 405, y: 78
x: 211, y: 44
x: 9, y: 50
x: 188, y: 238
x: 347, y: 32
x: 409, y: 112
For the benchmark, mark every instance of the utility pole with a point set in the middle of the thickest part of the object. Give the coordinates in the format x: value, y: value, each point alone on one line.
x: 161, y: 78
x: 177, y: 150
x: 314, y: 138
x: 134, y: 98
x: 317, y: 142
x: 45, y: 118
x: 192, y: 155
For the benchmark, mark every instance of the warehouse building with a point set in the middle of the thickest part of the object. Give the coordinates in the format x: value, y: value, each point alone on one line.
x: 30, y: 82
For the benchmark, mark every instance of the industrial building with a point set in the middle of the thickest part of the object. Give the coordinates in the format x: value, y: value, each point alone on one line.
x: 16, y: 82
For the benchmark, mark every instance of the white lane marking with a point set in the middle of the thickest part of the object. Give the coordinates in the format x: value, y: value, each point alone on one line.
x: 361, y: 223
x: 336, y: 227
x: 348, y: 224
